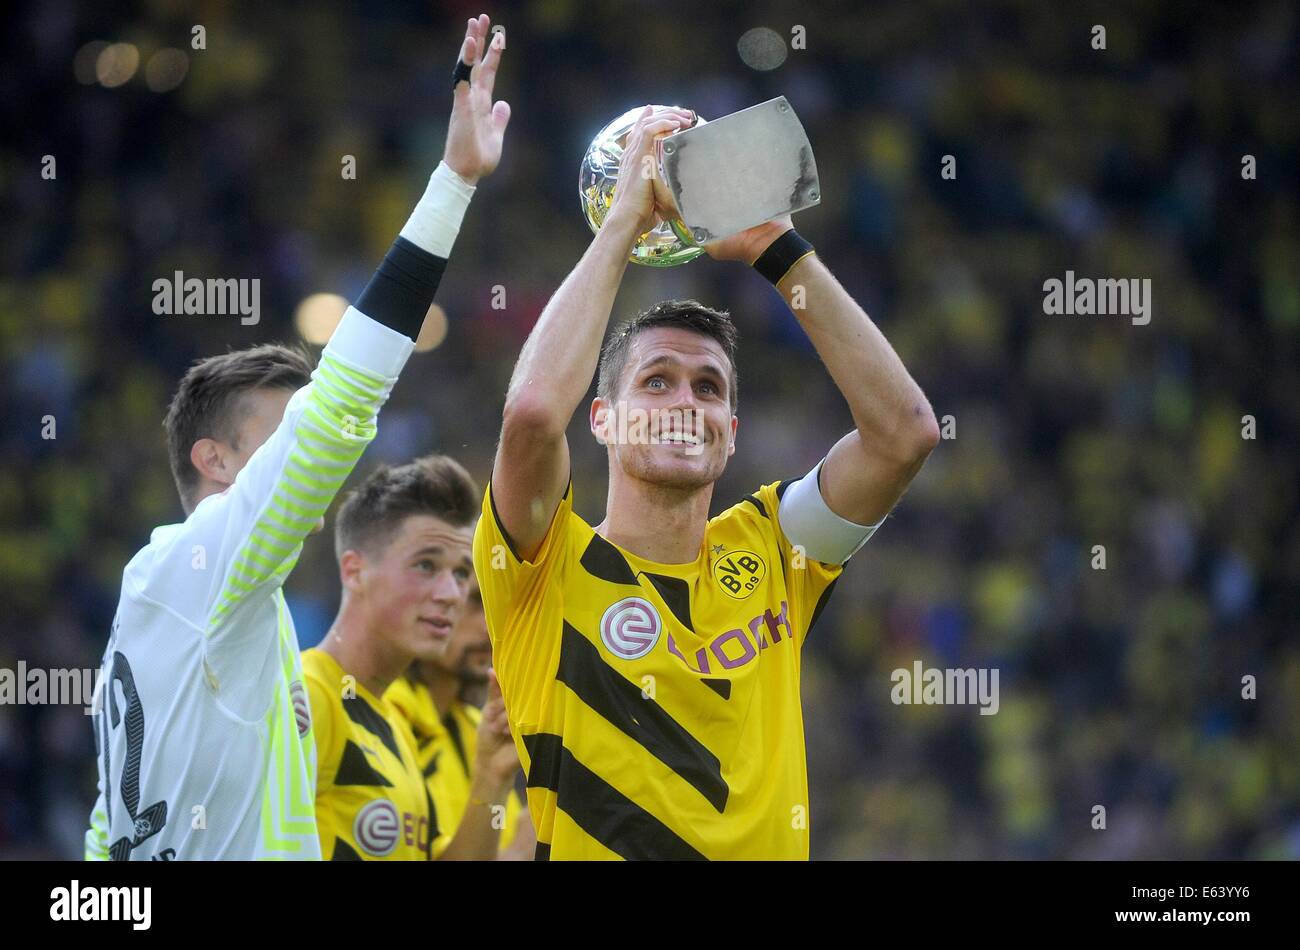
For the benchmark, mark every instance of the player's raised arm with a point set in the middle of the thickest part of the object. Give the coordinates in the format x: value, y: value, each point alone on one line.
x: 867, y: 470
x: 253, y: 517
x: 560, y: 356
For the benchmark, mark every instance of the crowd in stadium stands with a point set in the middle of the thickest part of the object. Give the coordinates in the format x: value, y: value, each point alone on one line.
x: 1069, y: 441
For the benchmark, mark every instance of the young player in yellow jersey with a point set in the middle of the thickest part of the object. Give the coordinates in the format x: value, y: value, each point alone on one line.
x: 651, y: 664
x: 403, y: 541
x: 453, y: 704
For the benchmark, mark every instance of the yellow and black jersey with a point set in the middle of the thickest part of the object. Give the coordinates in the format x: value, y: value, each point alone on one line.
x: 371, y: 802
x: 656, y: 707
x: 445, y: 747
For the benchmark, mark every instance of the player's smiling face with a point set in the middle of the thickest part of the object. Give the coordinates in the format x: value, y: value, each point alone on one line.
x: 671, y: 423
x: 415, y: 589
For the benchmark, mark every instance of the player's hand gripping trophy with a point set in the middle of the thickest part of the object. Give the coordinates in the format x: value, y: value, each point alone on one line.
x: 712, y: 180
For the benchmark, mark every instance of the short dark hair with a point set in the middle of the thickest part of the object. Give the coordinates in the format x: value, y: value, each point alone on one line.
x: 686, y: 314
x: 209, y: 402
x: 434, y: 485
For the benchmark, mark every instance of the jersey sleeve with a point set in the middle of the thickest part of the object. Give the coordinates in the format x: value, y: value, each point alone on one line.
x: 508, y: 583
x: 808, y: 582
x: 325, y: 700
x: 236, y: 548
x: 96, y: 840
x: 514, y: 807
x: 521, y: 600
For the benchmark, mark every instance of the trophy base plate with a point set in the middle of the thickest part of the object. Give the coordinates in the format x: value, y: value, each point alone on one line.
x: 740, y: 170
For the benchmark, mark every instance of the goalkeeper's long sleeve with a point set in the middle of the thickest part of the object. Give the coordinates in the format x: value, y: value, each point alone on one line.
x: 204, y: 727
x: 96, y: 841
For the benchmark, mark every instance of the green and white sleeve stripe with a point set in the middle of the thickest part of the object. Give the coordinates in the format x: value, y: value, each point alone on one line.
x: 97, y: 833
x: 335, y: 421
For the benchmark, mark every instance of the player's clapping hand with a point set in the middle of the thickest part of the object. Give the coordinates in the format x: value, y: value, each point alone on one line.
x: 497, y: 760
x: 639, y: 194
x: 478, y: 126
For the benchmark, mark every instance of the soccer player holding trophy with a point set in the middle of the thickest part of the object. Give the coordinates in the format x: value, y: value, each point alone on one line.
x: 650, y: 664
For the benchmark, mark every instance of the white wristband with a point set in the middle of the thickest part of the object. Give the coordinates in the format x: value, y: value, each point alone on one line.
x: 435, y: 222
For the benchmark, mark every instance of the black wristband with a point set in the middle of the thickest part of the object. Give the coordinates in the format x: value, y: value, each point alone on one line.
x: 461, y: 71
x: 781, y: 255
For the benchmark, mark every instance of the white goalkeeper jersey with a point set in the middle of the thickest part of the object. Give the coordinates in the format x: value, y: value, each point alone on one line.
x: 202, y: 722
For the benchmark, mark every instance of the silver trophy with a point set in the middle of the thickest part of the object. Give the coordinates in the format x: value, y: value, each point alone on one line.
x: 723, y: 176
